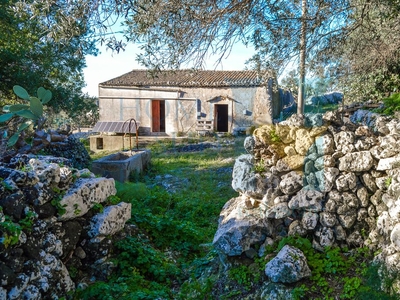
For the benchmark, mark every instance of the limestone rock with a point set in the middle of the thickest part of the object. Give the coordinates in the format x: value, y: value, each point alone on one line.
x: 279, y: 211
x: 346, y: 182
x: 362, y: 194
x: 318, y: 130
x: 296, y: 229
x: 369, y: 182
x: 325, y: 144
x: 295, y: 120
x: 324, y: 237
x: 265, y: 134
x: 344, y: 141
x: 283, y: 131
x: 111, y: 220
x: 326, y: 179
x: 309, y: 220
x: 290, y: 163
x: 332, y: 117
x: 249, y: 144
x: 239, y: 228
x: 308, y: 200
x: 303, y: 141
x: 328, y: 219
x: 289, y: 266
x: 313, y: 120
x: 86, y: 193
x: 348, y: 220
x: 274, y: 291
x: 356, y: 162
x: 245, y: 180
x: 395, y: 236
x: 388, y: 163
x: 291, y: 183
x: 325, y: 161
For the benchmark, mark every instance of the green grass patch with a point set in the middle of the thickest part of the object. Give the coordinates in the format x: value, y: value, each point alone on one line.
x: 172, y: 225
x: 319, y: 108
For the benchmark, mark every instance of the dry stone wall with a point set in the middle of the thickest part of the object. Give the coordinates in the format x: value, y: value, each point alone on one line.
x: 54, y: 234
x: 338, y: 181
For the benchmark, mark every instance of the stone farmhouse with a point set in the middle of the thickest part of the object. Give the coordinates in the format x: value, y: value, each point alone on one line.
x: 178, y: 102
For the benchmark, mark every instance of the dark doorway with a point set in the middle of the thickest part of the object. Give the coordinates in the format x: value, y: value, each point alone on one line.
x: 221, y: 117
x: 158, y: 115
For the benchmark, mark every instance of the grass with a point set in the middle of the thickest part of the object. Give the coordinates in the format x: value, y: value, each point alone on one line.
x: 171, y: 257
x: 174, y: 226
x: 319, y: 108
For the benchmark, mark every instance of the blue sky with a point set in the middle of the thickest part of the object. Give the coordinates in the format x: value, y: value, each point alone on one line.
x: 107, y: 65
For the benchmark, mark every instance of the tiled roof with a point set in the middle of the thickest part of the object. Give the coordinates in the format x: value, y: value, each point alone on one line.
x: 188, y: 78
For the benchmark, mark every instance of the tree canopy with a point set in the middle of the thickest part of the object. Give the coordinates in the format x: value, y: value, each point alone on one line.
x: 31, y: 56
x: 345, y: 39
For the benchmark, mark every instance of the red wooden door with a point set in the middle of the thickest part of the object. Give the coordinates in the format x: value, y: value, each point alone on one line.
x: 155, y: 115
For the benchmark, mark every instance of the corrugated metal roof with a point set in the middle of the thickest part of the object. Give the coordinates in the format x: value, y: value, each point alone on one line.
x: 188, y: 78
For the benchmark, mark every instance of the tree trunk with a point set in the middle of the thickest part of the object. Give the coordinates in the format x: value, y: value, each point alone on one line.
x: 302, y: 63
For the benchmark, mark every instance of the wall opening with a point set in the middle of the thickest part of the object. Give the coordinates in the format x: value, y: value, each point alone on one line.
x: 221, y: 117
x: 99, y: 143
x: 158, y: 115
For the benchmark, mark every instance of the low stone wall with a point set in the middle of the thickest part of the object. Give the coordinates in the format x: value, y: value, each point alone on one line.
x: 56, y: 227
x: 336, y: 181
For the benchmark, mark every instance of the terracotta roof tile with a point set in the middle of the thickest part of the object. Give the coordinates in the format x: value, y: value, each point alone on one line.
x: 188, y: 78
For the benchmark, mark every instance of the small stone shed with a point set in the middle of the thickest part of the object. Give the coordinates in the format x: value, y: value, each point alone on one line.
x: 182, y: 101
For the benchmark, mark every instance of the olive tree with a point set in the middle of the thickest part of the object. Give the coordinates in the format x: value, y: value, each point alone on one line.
x: 175, y: 33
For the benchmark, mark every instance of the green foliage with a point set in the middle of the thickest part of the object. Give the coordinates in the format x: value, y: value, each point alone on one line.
x: 98, y: 207
x: 391, y: 104
x: 10, y: 232
x: 320, y: 108
x: 274, y: 137
x: 60, y: 208
x: 166, y: 252
x: 259, y: 166
x: 27, y: 222
x: 86, y: 175
x: 6, y: 185
x: 32, y: 113
x: 351, y: 287
x: 388, y: 182
x: 113, y: 199
x: 299, y: 292
x: 347, y: 270
x: 77, y: 210
x: 154, y: 264
x: 244, y: 276
x: 56, y: 200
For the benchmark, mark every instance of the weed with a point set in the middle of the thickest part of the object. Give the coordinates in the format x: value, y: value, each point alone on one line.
x: 243, y: 276
x: 166, y: 252
x: 274, y: 137
x: 300, y: 291
x: 113, y: 199
x: 329, y: 265
x: 259, y: 167
x: 57, y: 204
x: 77, y: 211
x: 391, y: 104
x: 10, y: 232
x: 351, y: 287
x: 98, y: 207
x: 388, y: 181
x: 86, y: 175
x: 27, y: 222
x: 5, y: 184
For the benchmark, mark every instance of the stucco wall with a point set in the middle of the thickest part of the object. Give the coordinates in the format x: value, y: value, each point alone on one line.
x: 246, y: 106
